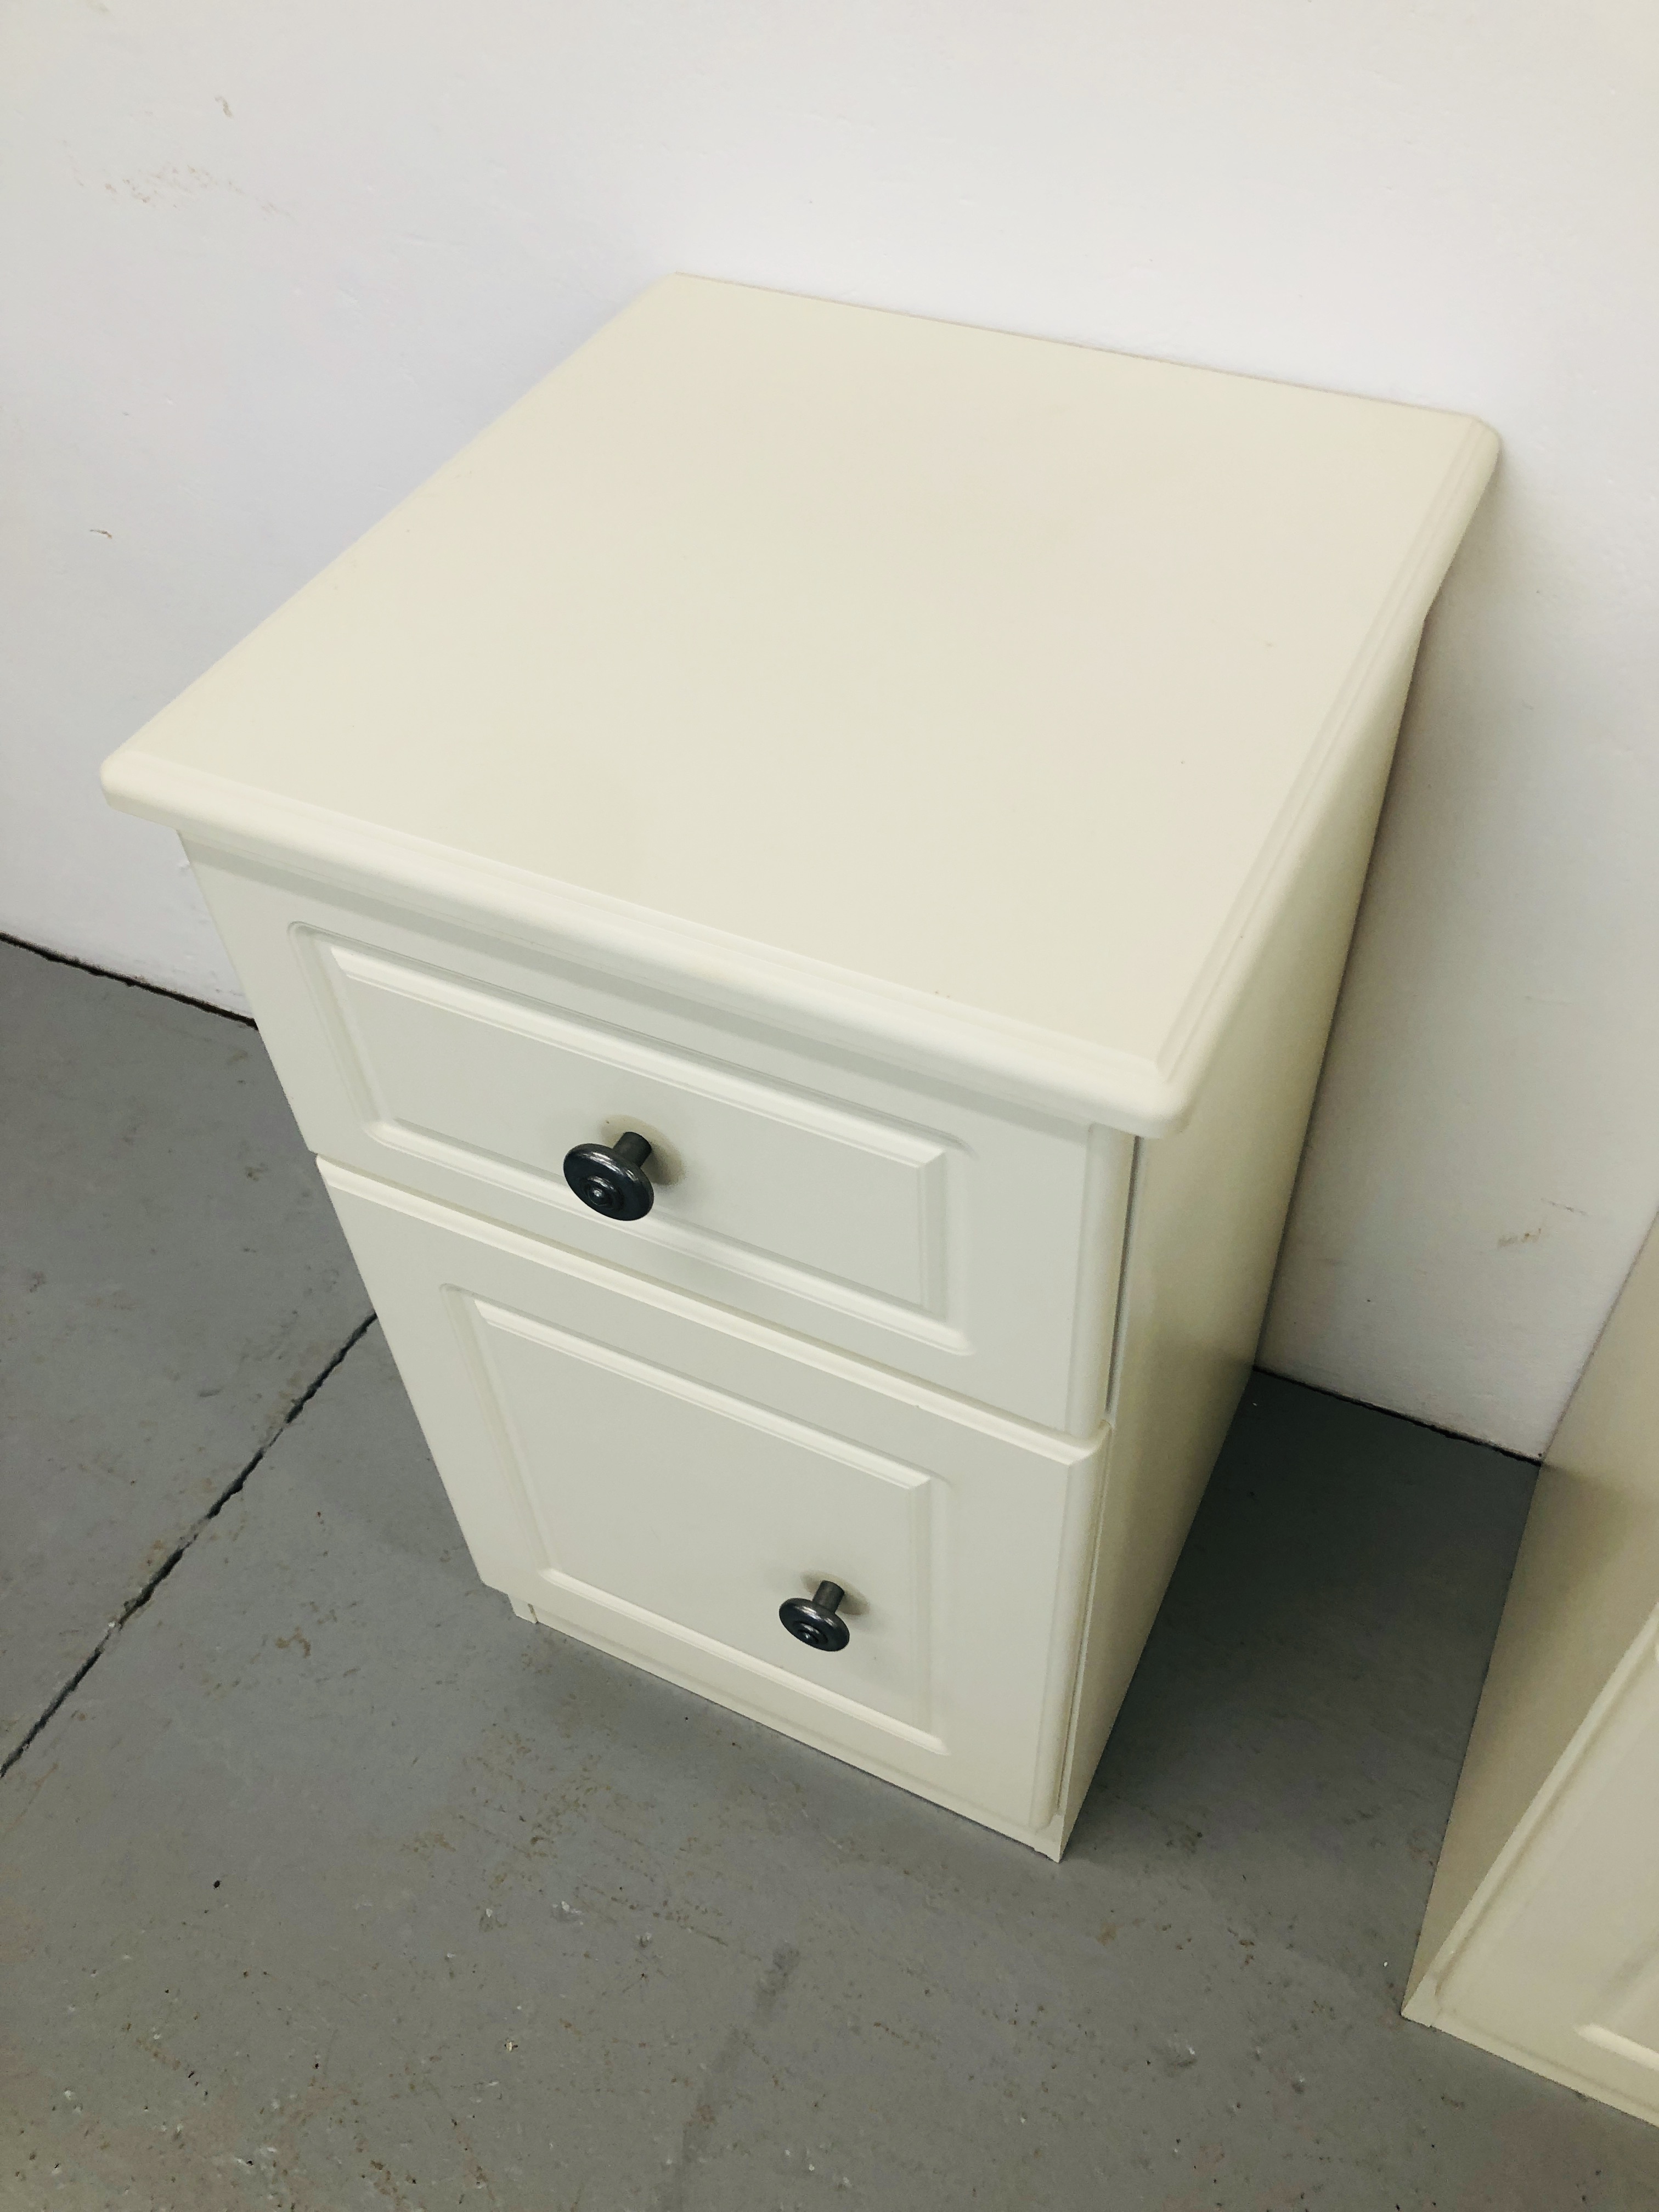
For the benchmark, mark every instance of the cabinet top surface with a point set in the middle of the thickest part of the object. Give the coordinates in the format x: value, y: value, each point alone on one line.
x: 987, y: 674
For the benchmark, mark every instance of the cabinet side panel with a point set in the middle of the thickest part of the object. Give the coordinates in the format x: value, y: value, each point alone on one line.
x: 1205, y: 1221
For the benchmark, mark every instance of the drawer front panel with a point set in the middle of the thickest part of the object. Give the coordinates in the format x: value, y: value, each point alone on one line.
x: 685, y: 1504
x: 923, y: 1229
x: 492, y: 1084
x: 658, y: 1478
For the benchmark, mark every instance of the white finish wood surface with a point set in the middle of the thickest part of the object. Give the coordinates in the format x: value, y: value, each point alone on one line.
x: 921, y: 780
x: 1208, y: 1208
x: 1541, y: 1938
x: 919, y: 1226
x: 656, y: 1475
x: 765, y: 635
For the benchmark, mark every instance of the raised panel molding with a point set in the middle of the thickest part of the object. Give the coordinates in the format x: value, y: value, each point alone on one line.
x: 763, y: 1178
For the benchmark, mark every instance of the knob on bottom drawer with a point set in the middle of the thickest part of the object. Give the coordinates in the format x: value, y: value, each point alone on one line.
x: 817, y: 1620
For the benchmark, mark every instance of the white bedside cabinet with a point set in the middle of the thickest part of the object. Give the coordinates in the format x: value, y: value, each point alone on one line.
x: 919, y: 782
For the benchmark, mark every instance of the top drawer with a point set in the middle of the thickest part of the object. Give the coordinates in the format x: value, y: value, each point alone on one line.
x: 953, y: 1239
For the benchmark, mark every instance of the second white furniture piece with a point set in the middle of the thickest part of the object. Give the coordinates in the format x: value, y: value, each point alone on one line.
x: 1541, y: 1939
x: 797, y: 890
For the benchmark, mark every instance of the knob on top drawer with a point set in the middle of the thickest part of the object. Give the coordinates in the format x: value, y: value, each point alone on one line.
x: 612, y: 1178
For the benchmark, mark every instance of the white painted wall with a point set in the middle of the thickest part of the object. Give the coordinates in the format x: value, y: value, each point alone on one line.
x: 269, y: 261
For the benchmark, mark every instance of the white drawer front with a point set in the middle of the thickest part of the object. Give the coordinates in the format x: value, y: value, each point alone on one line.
x: 657, y: 1495
x: 924, y: 1229
x: 491, y: 1085
x: 658, y: 1478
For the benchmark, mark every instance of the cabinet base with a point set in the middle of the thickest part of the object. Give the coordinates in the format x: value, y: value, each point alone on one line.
x: 1049, y: 1840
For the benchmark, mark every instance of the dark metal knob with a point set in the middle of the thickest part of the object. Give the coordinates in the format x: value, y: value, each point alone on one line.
x: 815, y: 1620
x: 610, y: 1177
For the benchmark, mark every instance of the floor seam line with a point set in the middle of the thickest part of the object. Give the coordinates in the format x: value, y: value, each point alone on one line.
x: 1394, y: 1413
x: 133, y: 983
x: 143, y: 1596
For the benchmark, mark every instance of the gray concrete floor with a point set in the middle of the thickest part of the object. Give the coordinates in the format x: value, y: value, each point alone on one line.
x: 330, y: 1884
x: 171, y: 1280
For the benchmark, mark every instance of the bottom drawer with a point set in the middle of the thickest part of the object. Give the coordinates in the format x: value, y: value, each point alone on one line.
x: 657, y: 1475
